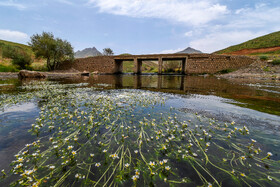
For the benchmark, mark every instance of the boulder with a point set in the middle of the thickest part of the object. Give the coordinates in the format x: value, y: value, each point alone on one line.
x: 31, y: 74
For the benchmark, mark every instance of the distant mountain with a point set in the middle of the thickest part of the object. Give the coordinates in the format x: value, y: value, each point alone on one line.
x: 189, y: 50
x: 87, y: 52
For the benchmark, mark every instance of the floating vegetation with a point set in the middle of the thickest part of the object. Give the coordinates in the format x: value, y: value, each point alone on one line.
x: 90, y: 137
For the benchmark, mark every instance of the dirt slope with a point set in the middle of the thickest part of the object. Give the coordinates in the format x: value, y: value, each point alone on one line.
x: 250, y: 51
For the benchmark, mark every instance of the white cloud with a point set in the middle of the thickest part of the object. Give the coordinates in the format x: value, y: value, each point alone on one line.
x: 66, y: 2
x: 240, y: 26
x: 189, y: 34
x: 12, y: 3
x: 188, y: 12
x: 14, y: 36
x: 260, y: 17
x: 222, y: 39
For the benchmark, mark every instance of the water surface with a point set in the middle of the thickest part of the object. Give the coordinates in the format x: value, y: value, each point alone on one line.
x: 256, y: 105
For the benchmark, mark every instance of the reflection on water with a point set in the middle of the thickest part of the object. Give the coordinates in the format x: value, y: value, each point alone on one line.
x: 262, y: 97
x: 14, y: 125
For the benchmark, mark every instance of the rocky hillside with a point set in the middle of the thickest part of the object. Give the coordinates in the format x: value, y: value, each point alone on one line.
x: 87, y: 52
x: 189, y: 50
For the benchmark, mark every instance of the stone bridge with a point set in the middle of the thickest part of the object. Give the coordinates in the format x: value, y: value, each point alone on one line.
x: 191, y: 63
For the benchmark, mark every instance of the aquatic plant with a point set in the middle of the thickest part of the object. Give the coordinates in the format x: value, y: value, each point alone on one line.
x: 94, y: 137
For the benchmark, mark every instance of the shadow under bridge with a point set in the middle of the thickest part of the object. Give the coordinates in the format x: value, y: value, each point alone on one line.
x: 160, y: 59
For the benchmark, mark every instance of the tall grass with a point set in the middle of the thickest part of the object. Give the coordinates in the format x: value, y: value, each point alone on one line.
x: 8, y: 68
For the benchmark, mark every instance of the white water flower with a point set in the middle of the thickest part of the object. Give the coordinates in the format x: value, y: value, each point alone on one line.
x: 97, y: 164
x: 28, y: 172
x: 114, y: 156
x: 135, y: 177
x: 74, y: 153
x: 167, y: 168
x: 70, y: 147
x: 152, y: 164
x: 20, y: 159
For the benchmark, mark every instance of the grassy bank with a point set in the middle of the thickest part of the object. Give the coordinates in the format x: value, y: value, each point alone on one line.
x: 269, y: 40
x: 10, y: 50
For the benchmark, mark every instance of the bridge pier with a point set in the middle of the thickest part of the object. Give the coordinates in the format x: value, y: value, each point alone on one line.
x: 137, y: 66
x: 118, y: 66
x: 184, y: 65
x: 160, y: 63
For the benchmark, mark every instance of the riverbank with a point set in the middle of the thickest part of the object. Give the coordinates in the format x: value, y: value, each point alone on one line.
x: 260, y: 70
x: 9, y: 75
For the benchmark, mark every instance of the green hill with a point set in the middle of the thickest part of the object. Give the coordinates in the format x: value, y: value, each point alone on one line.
x: 3, y: 42
x: 267, y: 41
x: 11, y: 45
x: 9, y: 49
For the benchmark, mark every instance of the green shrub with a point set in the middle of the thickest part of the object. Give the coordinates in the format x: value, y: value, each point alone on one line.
x: 22, y: 60
x: 276, y: 62
x: 264, y: 57
x: 8, y: 69
x: 8, y: 51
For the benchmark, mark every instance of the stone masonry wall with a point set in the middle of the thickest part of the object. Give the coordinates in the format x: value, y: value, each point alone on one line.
x: 101, y: 64
x: 196, y: 63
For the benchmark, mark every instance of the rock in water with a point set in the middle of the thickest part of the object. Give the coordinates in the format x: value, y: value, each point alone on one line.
x: 31, y: 74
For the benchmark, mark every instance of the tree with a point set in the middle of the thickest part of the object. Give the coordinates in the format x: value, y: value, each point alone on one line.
x: 55, y: 50
x: 108, y: 51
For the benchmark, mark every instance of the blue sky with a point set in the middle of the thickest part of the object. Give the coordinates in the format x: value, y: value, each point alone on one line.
x: 141, y: 26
